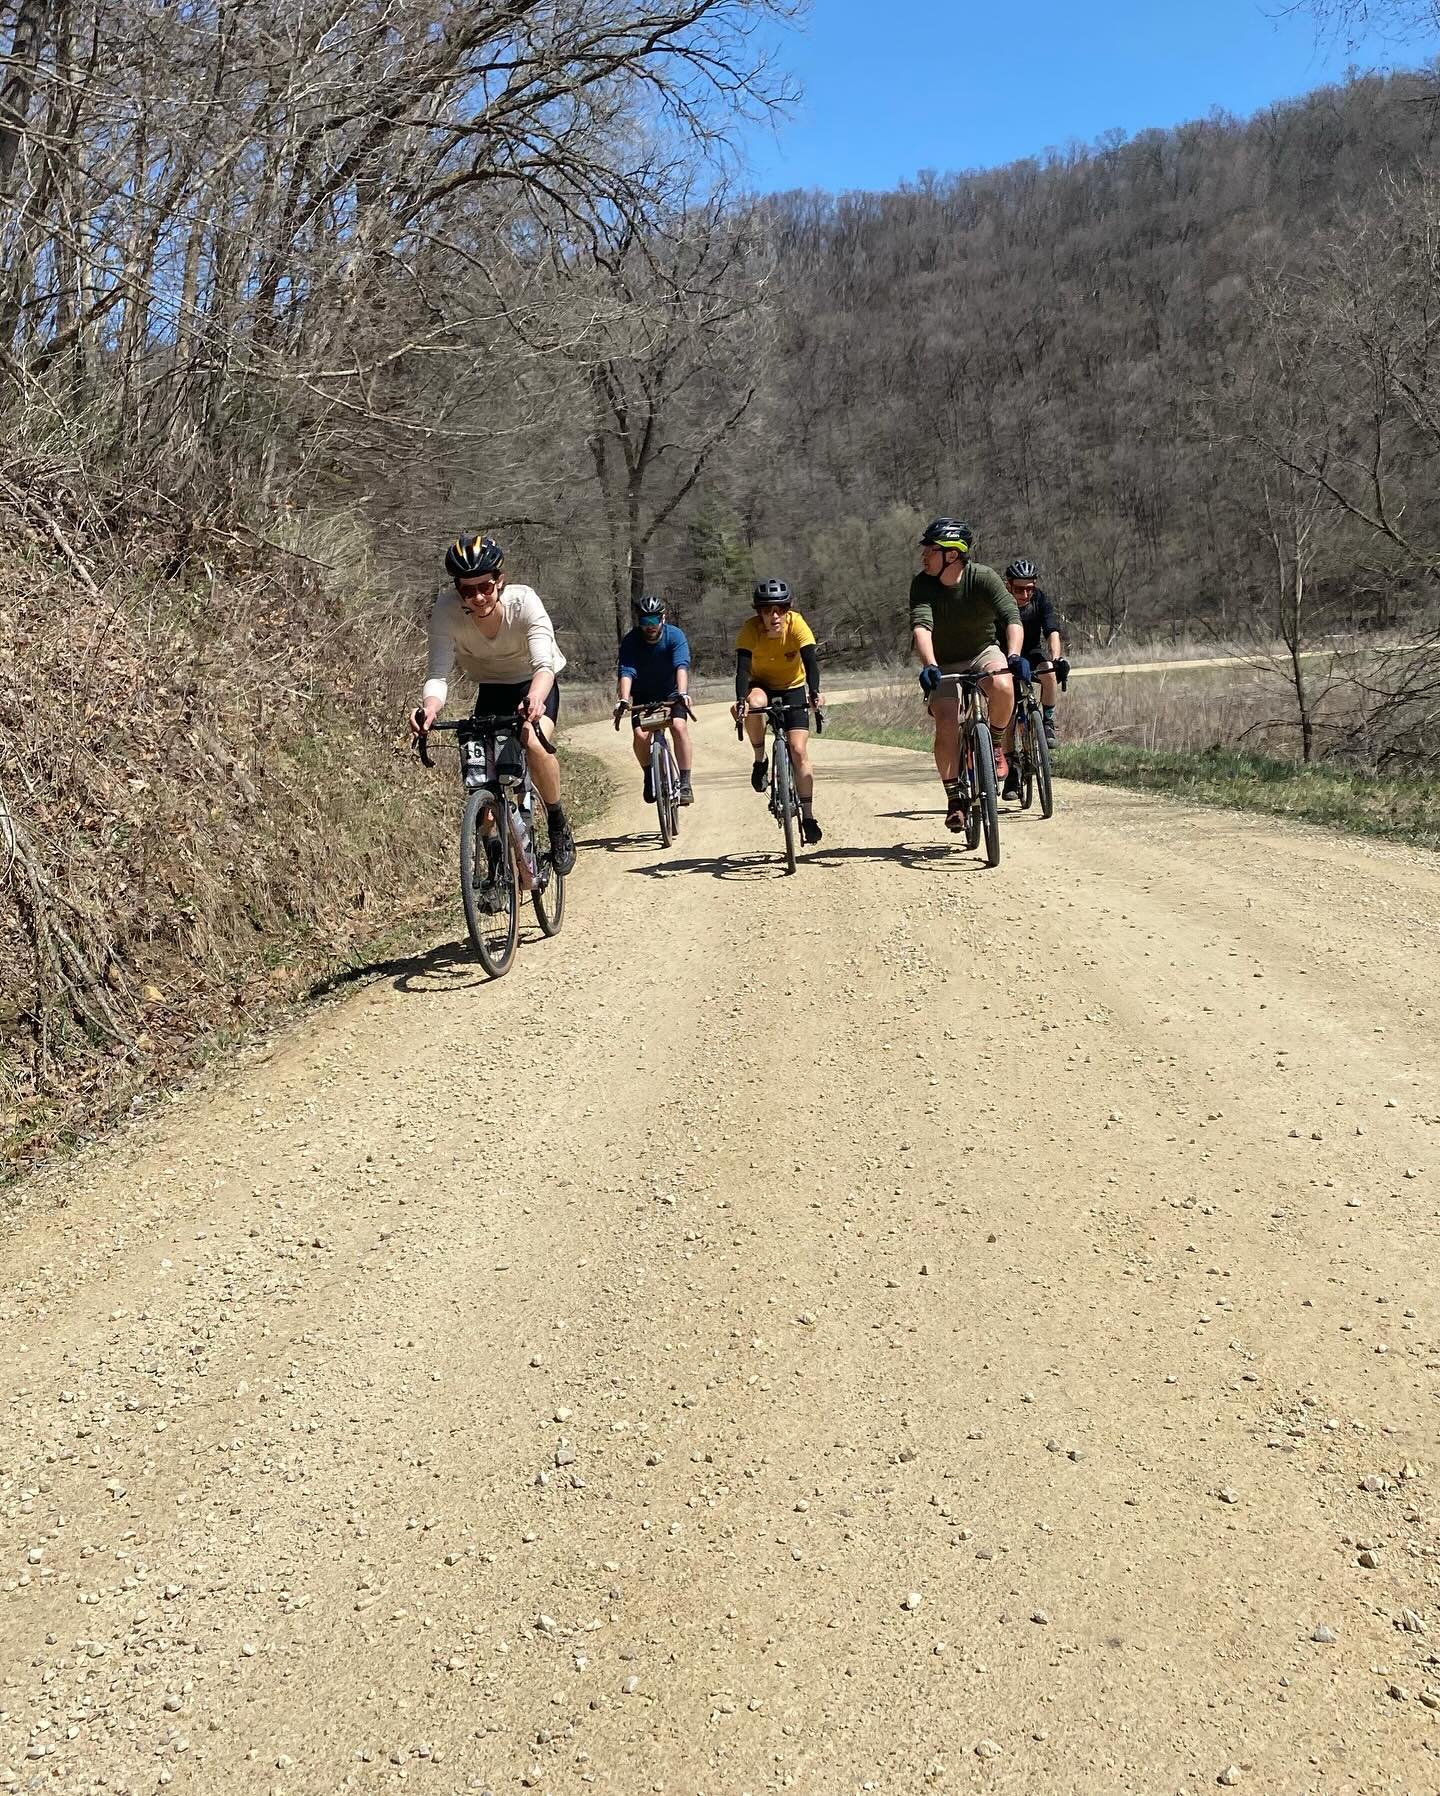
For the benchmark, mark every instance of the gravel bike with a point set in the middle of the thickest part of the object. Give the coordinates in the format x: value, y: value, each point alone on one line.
x: 1032, y: 748
x: 502, y: 855
x: 978, y: 803
x: 655, y: 718
x: 1032, y: 751
x: 784, y: 800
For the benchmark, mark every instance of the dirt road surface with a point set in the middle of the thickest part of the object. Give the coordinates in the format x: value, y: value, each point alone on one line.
x: 902, y: 1327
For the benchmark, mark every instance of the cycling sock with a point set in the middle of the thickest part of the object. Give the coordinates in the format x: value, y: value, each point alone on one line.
x: 1049, y: 711
x: 555, y: 816
x: 952, y: 791
x: 807, y: 807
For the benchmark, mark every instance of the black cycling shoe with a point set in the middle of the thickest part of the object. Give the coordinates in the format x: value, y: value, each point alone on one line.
x: 649, y: 785
x: 1011, y: 788
x: 757, y: 776
x: 811, y: 831
x: 1050, y: 731
x: 562, y: 843
x: 686, y: 793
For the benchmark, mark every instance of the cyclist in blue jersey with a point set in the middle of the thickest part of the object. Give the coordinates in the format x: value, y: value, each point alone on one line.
x: 655, y: 666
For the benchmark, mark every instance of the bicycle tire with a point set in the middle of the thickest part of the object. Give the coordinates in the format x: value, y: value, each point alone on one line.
x: 548, y: 894
x: 1025, y: 750
x: 1044, y: 777
x: 785, y: 798
x: 989, y: 807
x: 673, y: 773
x: 970, y: 784
x: 660, y: 764
x: 494, y: 934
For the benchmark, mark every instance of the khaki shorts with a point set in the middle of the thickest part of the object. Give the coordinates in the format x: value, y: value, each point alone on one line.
x: 989, y: 660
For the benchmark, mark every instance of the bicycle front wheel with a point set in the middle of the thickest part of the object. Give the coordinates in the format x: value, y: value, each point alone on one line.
x: 1025, y: 751
x: 989, y: 809
x: 549, y: 889
x: 663, y: 776
x: 970, y: 786
x: 785, y: 802
x: 489, y: 882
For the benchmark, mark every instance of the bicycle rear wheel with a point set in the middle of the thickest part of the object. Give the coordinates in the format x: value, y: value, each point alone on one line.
x: 549, y: 889
x: 1044, y: 781
x: 673, y: 773
x: 489, y: 882
x: 785, y: 801
x: 989, y: 809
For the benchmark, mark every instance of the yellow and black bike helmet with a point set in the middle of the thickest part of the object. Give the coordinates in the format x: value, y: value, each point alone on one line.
x: 948, y: 533
x: 469, y: 556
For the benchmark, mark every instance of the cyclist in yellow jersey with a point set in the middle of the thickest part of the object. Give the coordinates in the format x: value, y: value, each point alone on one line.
x: 776, y: 657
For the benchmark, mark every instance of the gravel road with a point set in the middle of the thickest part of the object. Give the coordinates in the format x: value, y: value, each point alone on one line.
x: 899, y: 1327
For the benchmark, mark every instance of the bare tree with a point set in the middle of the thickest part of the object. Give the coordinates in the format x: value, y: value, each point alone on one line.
x: 672, y: 369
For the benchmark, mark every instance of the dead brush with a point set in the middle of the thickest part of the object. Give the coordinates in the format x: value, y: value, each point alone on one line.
x: 204, y: 789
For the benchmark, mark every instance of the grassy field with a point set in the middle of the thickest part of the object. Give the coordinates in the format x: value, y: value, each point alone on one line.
x: 1230, y: 777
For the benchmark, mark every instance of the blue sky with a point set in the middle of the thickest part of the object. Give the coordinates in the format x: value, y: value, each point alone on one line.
x: 896, y: 86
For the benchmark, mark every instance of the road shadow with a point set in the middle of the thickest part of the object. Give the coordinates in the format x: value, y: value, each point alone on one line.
x: 939, y: 857
x: 630, y: 844
x: 447, y: 967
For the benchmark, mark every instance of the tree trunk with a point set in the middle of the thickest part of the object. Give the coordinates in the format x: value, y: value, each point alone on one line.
x: 19, y: 85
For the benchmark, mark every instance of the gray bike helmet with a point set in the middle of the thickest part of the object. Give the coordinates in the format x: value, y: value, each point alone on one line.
x: 649, y: 610
x: 771, y: 592
x: 1021, y: 570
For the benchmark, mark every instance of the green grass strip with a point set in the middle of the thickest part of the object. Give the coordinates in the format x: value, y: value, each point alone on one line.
x: 1397, y: 810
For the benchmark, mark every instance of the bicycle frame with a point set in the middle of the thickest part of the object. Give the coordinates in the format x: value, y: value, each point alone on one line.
x: 784, y: 800
x: 975, y: 767
x: 513, y: 789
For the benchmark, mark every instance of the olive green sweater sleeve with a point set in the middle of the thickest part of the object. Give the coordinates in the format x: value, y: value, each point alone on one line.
x: 922, y: 610
x: 988, y: 582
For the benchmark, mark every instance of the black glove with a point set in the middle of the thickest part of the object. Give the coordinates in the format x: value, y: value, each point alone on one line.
x: 1062, y: 670
x: 1020, y: 667
x: 930, y: 681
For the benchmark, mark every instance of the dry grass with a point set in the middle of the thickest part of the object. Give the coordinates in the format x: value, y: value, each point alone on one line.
x: 214, y: 801
x: 1209, y: 736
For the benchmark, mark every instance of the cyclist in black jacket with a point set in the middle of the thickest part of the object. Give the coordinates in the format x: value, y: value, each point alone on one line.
x: 1042, y: 647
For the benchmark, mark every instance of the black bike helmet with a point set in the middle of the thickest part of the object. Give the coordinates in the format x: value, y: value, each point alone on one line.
x: 469, y: 556
x: 948, y: 533
x: 770, y: 592
x: 1021, y: 570
x: 649, y: 610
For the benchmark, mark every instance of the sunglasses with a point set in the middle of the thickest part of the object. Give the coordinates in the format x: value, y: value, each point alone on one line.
x: 1023, y: 585
x: 772, y: 610
x: 477, y: 589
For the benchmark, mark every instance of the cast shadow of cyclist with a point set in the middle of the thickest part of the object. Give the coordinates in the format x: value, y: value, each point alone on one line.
x: 447, y: 967
x: 630, y: 844
x: 938, y: 857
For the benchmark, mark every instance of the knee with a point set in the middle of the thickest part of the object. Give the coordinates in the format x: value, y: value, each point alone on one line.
x: 680, y: 729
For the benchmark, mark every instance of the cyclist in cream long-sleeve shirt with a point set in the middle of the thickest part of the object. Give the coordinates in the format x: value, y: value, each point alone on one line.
x: 502, y: 637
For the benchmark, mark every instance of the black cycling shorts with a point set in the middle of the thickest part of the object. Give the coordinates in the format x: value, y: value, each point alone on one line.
x: 797, y: 708
x: 502, y: 698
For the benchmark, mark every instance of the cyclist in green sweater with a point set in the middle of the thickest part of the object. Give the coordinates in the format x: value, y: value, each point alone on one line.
x: 958, y: 607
